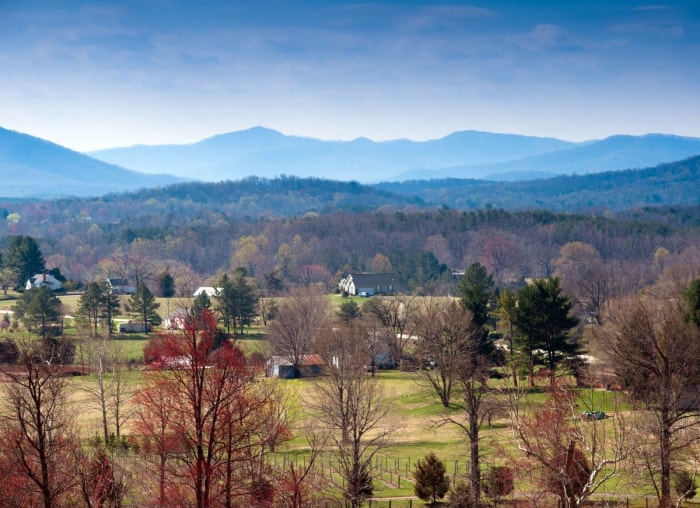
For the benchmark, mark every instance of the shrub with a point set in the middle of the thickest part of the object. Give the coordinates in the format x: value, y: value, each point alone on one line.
x: 498, y: 482
x: 684, y: 484
x: 431, y: 479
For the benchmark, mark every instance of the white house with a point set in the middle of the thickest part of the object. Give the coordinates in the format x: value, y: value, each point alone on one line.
x: 120, y: 287
x: 43, y: 279
x: 368, y: 284
x: 210, y: 291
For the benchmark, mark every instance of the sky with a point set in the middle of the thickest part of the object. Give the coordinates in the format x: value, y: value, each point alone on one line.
x: 98, y: 74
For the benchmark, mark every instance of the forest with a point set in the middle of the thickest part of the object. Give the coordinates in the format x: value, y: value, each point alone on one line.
x: 571, y: 336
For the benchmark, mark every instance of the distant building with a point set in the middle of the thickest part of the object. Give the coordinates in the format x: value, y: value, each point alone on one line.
x: 175, y: 321
x: 43, y: 280
x: 134, y: 327
x: 120, y: 287
x: 281, y: 367
x: 368, y: 284
x: 208, y: 290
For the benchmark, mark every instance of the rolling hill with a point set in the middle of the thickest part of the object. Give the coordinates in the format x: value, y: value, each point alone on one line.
x: 674, y: 184
x: 33, y: 167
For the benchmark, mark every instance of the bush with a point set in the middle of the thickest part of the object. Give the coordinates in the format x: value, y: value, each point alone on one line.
x: 459, y: 496
x: 684, y: 484
x: 498, y: 482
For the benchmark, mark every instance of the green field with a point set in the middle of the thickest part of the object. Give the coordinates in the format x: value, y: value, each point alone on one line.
x: 416, y: 415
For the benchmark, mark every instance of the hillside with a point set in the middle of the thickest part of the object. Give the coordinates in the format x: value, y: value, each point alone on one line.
x: 610, y: 154
x: 675, y: 183
x: 33, y: 167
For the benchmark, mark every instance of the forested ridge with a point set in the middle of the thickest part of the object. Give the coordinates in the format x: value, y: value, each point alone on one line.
x: 423, y: 245
x: 675, y: 183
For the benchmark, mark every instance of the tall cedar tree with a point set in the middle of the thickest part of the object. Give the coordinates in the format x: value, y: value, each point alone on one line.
x: 97, y: 304
x: 543, y: 320
x: 37, y: 308
x: 691, y: 299
x: 236, y: 300
x: 207, y: 418
x: 143, y: 305
x: 23, y: 257
x: 477, y: 292
x: 166, y: 285
x: 89, y: 306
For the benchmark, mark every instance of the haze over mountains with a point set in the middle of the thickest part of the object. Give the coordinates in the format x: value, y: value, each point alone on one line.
x: 32, y: 167
x: 467, y: 154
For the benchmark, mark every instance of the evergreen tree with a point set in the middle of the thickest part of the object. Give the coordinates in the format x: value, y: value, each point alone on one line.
x: 349, y: 310
x: 201, y: 302
x: 24, y: 257
x: 37, y: 308
x: 691, y: 298
x: 432, y: 482
x: 245, y: 301
x: 477, y: 292
x: 235, y: 301
x: 110, y: 305
x: 89, y: 306
x: 225, y: 301
x: 543, y: 320
x: 143, y: 305
x: 97, y: 304
x: 166, y: 285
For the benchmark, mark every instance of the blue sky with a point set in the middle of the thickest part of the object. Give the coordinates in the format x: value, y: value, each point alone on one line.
x: 98, y: 74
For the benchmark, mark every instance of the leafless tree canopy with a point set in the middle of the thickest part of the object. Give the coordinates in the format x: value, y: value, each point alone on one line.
x: 656, y: 354
x: 350, y: 407
x: 300, y: 319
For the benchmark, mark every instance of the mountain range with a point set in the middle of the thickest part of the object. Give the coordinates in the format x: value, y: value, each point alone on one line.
x: 33, y: 167
x: 467, y: 154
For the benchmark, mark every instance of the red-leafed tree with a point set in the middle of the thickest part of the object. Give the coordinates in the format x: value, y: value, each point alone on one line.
x: 203, y: 415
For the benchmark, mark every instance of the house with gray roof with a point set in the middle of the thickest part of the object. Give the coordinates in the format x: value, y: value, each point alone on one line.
x: 368, y: 284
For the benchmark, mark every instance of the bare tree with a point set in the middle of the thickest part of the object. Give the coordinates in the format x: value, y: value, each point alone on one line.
x: 37, y: 428
x: 445, y: 330
x: 655, y: 351
x: 350, y: 407
x: 477, y: 403
x: 396, y: 316
x: 110, y: 390
x: 300, y: 318
x: 573, y: 455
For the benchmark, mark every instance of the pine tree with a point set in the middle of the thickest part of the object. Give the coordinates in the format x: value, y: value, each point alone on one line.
x: 432, y: 482
x: 24, y: 257
x: 543, y: 319
x: 37, y: 308
x: 166, y: 285
x: 143, y: 305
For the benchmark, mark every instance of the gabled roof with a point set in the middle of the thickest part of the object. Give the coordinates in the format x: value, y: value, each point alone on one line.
x: 374, y: 279
x: 306, y: 360
x: 118, y: 282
